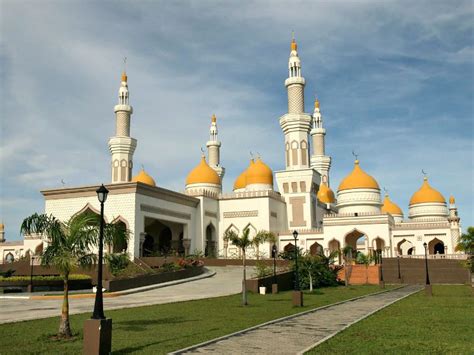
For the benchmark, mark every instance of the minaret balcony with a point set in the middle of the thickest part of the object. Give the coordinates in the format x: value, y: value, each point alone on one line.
x: 295, y: 80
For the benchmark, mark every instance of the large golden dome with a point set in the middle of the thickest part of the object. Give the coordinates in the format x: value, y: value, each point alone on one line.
x: 390, y: 207
x: 426, y: 194
x: 358, y: 179
x: 144, y: 178
x: 259, y: 173
x: 203, y: 174
x: 325, y: 194
x: 241, y: 181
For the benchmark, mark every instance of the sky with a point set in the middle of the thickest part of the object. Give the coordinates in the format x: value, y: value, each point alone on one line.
x: 395, y: 81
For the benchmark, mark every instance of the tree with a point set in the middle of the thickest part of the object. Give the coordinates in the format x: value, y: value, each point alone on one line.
x: 262, y: 237
x: 466, y: 244
x: 242, y: 243
x: 69, y: 246
x: 309, y: 264
x: 347, y: 257
x: 365, y: 260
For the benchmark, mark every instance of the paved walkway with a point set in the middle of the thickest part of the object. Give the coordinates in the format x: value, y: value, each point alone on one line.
x: 298, y: 333
x: 227, y: 281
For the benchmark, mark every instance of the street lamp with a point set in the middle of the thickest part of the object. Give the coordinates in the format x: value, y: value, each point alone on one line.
x: 98, y: 329
x: 428, y: 289
x: 382, y: 282
x: 30, y: 287
x: 275, y: 283
x: 297, y: 294
x: 399, y: 273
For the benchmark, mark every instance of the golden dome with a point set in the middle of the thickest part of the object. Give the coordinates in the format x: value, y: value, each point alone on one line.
x: 259, y: 173
x: 294, y: 46
x: 325, y: 194
x: 426, y: 194
x: 452, y: 201
x: 358, y: 179
x: 241, y: 181
x: 203, y: 174
x: 144, y: 178
x: 124, y: 76
x: 213, y: 118
x: 390, y: 207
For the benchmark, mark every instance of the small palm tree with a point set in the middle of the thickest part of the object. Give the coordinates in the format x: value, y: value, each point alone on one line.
x: 309, y: 263
x: 466, y: 244
x: 365, y: 260
x: 347, y: 252
x: 242, y: 243
x: 262, y: 237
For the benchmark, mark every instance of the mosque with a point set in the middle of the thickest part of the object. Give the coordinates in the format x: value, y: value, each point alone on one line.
x: 300, y: 198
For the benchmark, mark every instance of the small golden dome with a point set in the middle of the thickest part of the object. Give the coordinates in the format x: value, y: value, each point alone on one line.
x: 241, y: 181
x: 325, y: 194
x: 358, y: 179
x: 124, y: 76
x: 213, y: 118
x: 203, y: 174
x: 259, y: 173
x: 452, y: 201
x: 426, y: 194
x: 294, y: 46
x: 316, y: 103
x: 144, y: 178
x: 390, y: 207
x: 2, y: 227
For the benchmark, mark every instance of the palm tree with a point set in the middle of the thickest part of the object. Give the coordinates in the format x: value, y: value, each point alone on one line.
x: 466, y: 244
x: 69, y: 246
x: 242, y: 243
x: 347, y: 256
x: 262, y: 237
x: 366, y: 260
x: 309, y: 264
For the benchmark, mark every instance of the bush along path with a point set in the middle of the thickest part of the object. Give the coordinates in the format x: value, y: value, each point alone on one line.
x: 299, y: 333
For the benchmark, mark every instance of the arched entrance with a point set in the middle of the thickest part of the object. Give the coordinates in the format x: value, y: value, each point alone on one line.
x: 436, y: 246
x: 210, y: 249
x: 405, y: 247
x: 118, y: 244
x: 148, y: 245
x: 9, y: 258
x: 333, y: 246
x: 356, y: 240
x: 316, y: 249
x: 289, y: 248
x: 164, y: 240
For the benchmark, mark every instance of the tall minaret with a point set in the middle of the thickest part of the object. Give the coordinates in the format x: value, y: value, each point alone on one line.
x: 295, y: 124
x: 122, y: 146
x: 319, y: 160
x: 454, y: 223
x: 213, y: 149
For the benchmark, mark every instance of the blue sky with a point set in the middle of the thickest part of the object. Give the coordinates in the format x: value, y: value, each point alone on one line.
x: 395, y: 81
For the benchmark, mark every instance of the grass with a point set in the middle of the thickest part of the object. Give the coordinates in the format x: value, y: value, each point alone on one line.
x: 442, y: 324
x: 160, y: 329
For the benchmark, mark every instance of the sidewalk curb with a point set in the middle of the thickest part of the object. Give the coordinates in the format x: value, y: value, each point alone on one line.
x: 208, y: 273
x: 240, y: 332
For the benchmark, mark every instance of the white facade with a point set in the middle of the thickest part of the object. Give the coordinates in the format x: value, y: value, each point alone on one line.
x: 160, y: 219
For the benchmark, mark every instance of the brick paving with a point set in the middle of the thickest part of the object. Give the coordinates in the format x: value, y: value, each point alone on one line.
x: 299, y: 332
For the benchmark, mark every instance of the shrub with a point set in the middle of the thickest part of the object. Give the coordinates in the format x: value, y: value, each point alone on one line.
x: 262, y: 270
x: 7, y: 273
x: 45, y: 278
x: 117, y: 262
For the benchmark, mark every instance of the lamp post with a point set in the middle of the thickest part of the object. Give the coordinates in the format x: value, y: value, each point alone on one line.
x: 428, y: 289
x: 98, y: 329
x: 275, y: 283
x: 297, y: 294
x: 30, y: 286
x: 398, y: 266
x: 382, y: 282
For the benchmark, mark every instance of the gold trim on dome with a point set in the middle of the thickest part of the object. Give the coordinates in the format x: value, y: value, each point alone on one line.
x: 144, y: 178
x: 325, y: 194
x: 259, y: 173
x: 358, y: 179
x: 426, y: 194
x: 203, y: 174
x: 391, y: 207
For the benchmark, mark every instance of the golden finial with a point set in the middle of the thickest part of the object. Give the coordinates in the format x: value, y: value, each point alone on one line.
x: 294, y: 46
x: 452, y: 201
x: 316, y: 103
x: 213, y: 118
x: 124, y: 73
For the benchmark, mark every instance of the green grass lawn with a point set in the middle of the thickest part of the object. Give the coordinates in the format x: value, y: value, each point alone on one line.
x: 163, y: 328
x: 442, y: 324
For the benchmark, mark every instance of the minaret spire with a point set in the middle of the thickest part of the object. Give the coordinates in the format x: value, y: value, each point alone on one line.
x: 122, y: 146
x: 319, y: 160
x: 213, y: 149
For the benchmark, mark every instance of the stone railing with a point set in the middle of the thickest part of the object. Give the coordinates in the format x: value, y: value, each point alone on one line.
x: 437, y: 256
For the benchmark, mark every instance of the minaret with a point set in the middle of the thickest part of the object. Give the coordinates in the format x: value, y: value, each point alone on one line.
x: 454, y: 223
x: 122, y: 146
x: 2, y: 232
x: 295, y: 124
x: 319, y: 160
x: 213, y: 149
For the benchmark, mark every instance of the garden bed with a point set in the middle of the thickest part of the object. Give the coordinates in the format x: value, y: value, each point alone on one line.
x: 44, y: 283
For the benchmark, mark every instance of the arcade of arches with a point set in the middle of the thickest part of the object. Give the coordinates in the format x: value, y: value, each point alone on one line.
x: 162, y: 237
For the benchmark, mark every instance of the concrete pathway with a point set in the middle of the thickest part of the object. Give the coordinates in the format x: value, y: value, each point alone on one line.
x: 298, y: 333
x: 227, y: 281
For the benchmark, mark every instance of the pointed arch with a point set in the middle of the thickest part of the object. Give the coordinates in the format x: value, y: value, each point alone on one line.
x: 233, y: 228
x: 335, y: 245
x: 352, y: 237
x: 316, y: 249
x: 88, y: 208
x: 253, y: 230
x: 122, y: 246
x: 210, y: 247
x: 436, y: 246
x: 405, y: 247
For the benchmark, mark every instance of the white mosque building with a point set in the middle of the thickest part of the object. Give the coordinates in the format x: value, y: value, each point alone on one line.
x: 196, y: 220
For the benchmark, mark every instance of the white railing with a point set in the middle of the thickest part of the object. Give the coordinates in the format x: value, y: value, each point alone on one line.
x: 437, y: 256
